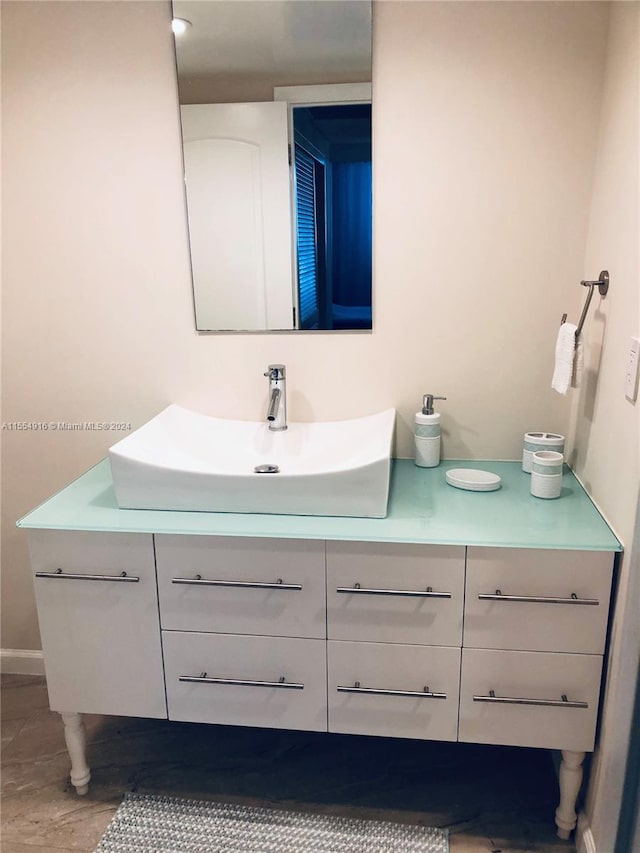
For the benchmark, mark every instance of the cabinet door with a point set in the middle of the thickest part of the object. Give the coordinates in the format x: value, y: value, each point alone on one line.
x: 229, y: 585
x: 395, y: 593
x: 393, y: 690
x: 537, y: 600
x: 529, y: 698
x: 98, y: 612
x: 274, y: 682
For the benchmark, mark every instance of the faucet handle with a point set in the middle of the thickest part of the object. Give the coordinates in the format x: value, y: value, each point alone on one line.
x: 276, y: 371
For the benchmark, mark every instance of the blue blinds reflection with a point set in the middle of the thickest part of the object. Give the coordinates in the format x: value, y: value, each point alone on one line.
x: 334, y: 215
x: 306, y: 238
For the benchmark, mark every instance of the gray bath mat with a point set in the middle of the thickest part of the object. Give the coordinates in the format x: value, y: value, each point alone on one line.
x: 151, y: 824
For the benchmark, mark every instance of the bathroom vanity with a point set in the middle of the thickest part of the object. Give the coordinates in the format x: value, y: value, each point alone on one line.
x: 461, y: 616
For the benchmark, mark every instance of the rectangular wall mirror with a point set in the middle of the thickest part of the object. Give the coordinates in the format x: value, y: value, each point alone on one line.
x: 275, y: 106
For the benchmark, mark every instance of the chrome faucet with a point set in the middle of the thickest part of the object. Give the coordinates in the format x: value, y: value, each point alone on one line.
x: 277, y: 411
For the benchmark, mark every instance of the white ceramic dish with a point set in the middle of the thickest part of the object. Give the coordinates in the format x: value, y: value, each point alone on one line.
x: 473, y: 479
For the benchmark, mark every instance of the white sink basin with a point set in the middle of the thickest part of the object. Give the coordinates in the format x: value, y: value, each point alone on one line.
x: 182, y: 460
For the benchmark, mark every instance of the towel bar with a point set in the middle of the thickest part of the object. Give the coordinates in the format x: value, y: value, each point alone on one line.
x: 603, y: 287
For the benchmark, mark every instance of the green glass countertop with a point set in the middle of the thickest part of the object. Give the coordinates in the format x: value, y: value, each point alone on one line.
x: 423, y: 508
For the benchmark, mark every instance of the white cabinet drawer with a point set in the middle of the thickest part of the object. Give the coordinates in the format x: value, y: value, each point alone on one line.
x: 274, y: 587
x: 272, y: 682
x: 393, y: 690
x: 516, y: 698
x: 98, y: 613
x: 395, y: 593
x: 537, y: 600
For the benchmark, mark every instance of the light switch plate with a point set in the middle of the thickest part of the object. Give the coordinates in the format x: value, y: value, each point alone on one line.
x: 631, y: 381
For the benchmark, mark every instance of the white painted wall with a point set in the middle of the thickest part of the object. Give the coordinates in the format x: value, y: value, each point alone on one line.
x: 605, y: 426
x: 483, y: 150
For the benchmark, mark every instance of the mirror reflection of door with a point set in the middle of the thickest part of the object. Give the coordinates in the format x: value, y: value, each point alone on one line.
x: 333, y: 211
x: 240, y: 54
x: 238, y: 211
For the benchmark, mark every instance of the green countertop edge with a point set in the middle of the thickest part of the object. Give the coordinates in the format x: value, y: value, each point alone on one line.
x: 422, y: 509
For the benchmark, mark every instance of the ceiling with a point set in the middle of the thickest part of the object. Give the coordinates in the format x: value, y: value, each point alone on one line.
x: 249, y: 37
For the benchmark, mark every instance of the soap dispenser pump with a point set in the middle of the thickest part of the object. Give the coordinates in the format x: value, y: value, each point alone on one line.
x: 427, y: 433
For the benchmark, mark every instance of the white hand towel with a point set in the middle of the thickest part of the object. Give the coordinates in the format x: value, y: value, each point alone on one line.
x: 578, y: 365
x: 565, y: 355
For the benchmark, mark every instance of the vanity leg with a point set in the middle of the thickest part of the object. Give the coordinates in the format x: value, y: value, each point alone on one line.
x: 74, y: 735
x: 570, y: 781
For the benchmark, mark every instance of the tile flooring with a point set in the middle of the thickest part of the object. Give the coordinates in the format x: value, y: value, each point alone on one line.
x: 492, y: 799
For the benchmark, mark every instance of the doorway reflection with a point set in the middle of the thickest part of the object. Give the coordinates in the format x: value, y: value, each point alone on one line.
x: 333, y: 206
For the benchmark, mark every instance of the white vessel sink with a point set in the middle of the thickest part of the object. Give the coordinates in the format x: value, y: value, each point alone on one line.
x: 183, y: 460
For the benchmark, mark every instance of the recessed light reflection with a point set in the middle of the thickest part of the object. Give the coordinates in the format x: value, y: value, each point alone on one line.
x: 180, y: 26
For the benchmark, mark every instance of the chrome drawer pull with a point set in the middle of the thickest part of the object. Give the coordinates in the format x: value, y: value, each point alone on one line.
x: 241, y: 682
x: 537, y: 599
x: 550, y: 703
x: 123, y: 577
x: 413, y: 593
x: 200, y: 581
x: 379, y: 691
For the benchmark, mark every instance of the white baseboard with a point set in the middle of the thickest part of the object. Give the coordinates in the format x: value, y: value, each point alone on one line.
x: 21, y: 662
x: 585, y: 842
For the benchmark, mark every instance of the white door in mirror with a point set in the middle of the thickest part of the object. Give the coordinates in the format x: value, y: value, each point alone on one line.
x: 237, y: 185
